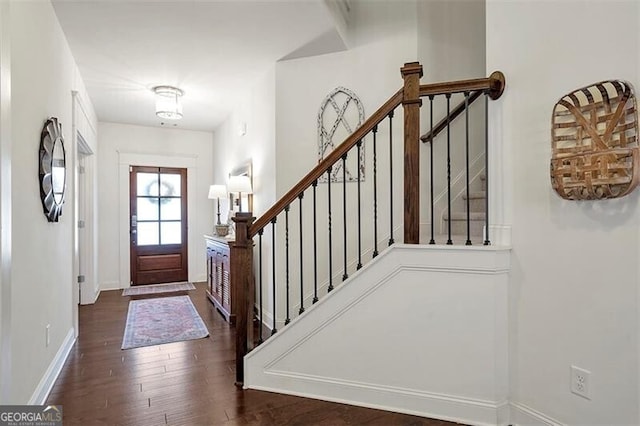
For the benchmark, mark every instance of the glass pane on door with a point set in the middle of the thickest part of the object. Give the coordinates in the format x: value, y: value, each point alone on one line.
x: 147, y: 184
x: 171, y: 233
x: 170, y: 185
x: 171, y: 209
x: 148, y: 233
x: 147, y: 208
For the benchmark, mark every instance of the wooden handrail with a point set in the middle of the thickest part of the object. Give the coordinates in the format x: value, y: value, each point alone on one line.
x: 327, y: 162
x: 494, y: 84
x: 442, y: 124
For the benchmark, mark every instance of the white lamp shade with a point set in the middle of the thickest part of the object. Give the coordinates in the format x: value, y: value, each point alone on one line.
x: 217, y: 191
x: 240, y: 184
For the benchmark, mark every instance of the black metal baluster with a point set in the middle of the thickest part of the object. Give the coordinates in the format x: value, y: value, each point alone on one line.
x: 315, y: 244
x: 432, y: 240
x: 286, y: 254
x: 359, y: 145
x: 274, y: 330
x: 375, y: 192
x: 260, y: 232
x: 449, y: 242
x: 301, y: 257
x: 344, y: 212
x: 466, y: 119
x: 329, y: 223
x: 391, y: 241
x: 487, y: 241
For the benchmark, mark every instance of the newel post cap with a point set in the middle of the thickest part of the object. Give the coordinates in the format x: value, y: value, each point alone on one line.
x: 243, y: 221
x: 411, y: 68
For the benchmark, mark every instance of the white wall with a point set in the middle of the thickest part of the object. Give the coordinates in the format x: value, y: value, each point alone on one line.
x: 574, y: 283
x: 44, y: 75
x: 5, y: 203
x: 249, y: 134
x: 451, y: 46
x: 254, y: 114
x: 383, y: 39
x: 156, y: 147
x: 451, y: 39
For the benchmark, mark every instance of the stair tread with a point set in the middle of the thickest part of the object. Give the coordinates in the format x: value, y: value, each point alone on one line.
x: 475, y: 195
x: 463, y: 216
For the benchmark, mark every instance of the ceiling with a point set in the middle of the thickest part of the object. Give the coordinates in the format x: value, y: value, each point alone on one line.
x: 212, y: 50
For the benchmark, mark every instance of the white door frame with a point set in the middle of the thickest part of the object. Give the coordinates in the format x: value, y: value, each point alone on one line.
x: 84, y: 248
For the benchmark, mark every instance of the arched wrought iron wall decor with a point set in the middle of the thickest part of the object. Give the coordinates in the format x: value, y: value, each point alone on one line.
x: 345, y: 114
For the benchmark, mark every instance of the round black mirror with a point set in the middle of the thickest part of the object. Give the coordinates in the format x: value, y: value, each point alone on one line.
x: 52, y: 169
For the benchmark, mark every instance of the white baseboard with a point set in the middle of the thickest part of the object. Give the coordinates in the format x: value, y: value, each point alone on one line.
x: 92, y: 297
x: 389, y: 398
x: 41, y: 393
x: 96, y: 295
x: 110, y: 285
x: 521, y: 415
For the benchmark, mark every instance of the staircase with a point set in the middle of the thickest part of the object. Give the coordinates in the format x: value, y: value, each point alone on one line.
x: 320, y: 236
x: 477, y: 213
x: 397, y: 301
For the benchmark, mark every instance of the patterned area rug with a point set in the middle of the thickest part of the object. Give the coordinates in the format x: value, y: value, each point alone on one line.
x: 157, y: 289
x: 162, y: 320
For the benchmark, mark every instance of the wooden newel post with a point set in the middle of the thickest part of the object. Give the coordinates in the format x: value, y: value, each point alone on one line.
x: 242, y: 289
x: 411, y: 102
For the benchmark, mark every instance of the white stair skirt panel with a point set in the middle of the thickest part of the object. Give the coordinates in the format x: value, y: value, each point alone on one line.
x: 421, y: 330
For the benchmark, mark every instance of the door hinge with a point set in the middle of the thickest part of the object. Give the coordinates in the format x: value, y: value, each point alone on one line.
x: 130, y: 169
x: 81, y: 169
x: 81, y: 224
x: 80, y: 278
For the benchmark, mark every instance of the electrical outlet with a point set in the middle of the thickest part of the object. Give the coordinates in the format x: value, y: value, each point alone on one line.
x: 47, y: 334
x: 581, y: 382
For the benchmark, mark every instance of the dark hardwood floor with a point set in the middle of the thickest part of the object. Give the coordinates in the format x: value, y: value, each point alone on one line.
x: 184, y: 383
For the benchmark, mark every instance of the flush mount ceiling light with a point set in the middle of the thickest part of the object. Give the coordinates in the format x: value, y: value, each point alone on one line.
x: 168, y: 103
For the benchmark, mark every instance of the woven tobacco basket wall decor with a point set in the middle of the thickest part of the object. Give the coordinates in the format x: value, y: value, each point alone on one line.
x: 594, y: 141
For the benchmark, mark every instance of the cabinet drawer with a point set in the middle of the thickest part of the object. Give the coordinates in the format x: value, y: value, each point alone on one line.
x: 220, y: 291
